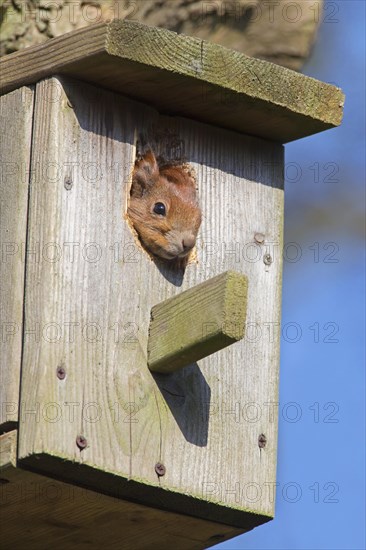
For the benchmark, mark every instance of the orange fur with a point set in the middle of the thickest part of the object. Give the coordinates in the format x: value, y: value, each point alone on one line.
x: 173, y: 235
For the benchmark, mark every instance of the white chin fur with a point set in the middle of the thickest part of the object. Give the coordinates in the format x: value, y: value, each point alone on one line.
x: 171, y: 255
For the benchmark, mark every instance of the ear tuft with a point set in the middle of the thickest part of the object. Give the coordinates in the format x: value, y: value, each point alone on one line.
x: 145, y: 174
x: 178, y: 175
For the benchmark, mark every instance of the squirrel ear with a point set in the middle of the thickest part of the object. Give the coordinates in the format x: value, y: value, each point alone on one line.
x: 145, y: 173
x: 177, y: 174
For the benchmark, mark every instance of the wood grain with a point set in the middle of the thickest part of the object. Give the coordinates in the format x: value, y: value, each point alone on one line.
x: 93, y: 307
x: 16, y: 109
x: 8, y: 446
x: 197, y: 323
x: 65, y: 517
x: 187, y: 76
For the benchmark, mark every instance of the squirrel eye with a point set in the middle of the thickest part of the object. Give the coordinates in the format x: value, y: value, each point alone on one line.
x: 159, y: 208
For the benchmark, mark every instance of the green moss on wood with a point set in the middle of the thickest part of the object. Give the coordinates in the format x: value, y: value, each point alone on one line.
x: 197, y: 322
x: 183, y: 75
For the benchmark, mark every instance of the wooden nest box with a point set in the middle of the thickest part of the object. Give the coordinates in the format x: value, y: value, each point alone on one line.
x: 115, y: 435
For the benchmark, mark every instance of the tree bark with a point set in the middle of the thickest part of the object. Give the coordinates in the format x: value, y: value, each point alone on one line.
x: 281, y: 31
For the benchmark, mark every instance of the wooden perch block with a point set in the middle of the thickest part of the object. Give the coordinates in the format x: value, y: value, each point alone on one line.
x: 197, y: 322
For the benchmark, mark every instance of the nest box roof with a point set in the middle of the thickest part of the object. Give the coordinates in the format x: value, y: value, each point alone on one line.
x: 186, y: 76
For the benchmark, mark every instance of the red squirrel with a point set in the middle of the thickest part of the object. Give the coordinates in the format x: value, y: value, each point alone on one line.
x: 164, y: 209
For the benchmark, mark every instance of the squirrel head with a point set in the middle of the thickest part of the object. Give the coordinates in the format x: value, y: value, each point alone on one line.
x: 163, y: 208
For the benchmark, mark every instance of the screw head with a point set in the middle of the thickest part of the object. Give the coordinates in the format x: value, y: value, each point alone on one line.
x: 81, y: 442
x: 68, y: 183
x: 262, y: 441
x: 267, y: 258
x: 160, y: 469
x: 61, y: 372
x: 259, y: 238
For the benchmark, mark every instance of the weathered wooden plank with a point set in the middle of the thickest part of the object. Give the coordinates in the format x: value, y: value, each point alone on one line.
x: 57, y: 56
x: 91, y: 296
x: 184, y: 75
x: 16, y: 110
x: 8, y: 445
x: 197, y: 323
x: 63, y: 516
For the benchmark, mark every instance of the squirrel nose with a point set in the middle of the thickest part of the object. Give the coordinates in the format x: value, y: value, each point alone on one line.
x: 188, y: 242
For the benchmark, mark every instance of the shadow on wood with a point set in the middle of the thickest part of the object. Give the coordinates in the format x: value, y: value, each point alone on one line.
x: 188, y: 397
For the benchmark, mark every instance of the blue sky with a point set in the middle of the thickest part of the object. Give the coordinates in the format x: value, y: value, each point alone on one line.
x: 321, y: 456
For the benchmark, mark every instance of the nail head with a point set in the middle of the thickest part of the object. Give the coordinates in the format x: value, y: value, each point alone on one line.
x: 68, y: 183
x: 262, y: 441
x: 160, y: 469
x: 259, y: 238
x: 61, y: 372
x: 81, y: 442
x: 267, y: 258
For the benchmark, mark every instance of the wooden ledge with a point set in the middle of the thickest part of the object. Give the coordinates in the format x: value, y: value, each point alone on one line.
x: 185, y: 76
x: 198, y: 322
